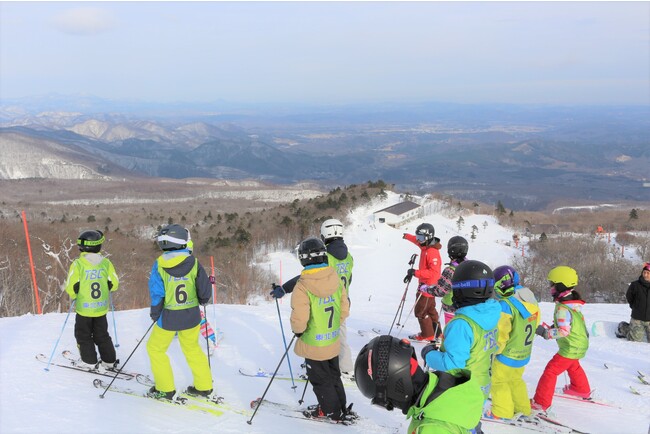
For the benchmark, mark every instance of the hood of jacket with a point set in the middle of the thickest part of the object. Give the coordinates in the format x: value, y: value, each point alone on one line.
x: 178, y: 263
x: 320, y: 280
x: 338, y: 249
x: 485, y: 314
x: 91, y: 258
x: 525, y: 294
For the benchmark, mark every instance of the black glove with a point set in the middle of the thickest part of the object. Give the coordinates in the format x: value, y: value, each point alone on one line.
x: 298, y: 334
x: 542, y: 331
x: 110, y: 285
x: 75, y: 288
x: 203, y: 302
x: 427, y: 349
x: 154, y: 316
x: 404, y: 235
x: 278, y: 291
x: 409, y: 275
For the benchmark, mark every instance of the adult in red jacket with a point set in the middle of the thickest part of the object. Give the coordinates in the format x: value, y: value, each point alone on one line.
x: 428, y: 274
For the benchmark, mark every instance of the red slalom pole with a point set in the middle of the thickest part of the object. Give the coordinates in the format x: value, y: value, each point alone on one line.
x: 31, y: 265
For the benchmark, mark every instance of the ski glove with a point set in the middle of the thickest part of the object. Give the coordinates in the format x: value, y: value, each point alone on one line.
x: 424, y: 289
x: 278, y: 291
x: 427, y: 349
x: 542, y: 331
x: 409, y: 275
x: 298, y: 334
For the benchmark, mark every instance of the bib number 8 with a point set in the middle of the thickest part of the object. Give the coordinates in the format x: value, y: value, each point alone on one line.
x: 95, y: 290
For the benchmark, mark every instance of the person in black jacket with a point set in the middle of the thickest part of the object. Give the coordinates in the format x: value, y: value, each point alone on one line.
x: 638, y: 297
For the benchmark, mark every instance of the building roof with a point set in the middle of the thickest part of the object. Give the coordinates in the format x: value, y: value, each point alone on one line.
x: 400, y: 208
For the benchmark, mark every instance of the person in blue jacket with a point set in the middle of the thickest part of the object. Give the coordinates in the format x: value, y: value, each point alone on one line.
x: 470, y: 338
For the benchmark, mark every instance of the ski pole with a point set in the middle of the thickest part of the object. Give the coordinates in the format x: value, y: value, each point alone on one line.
x: 277, y: 305
x: 435, y: 331
x: 400, y: 308
x: 110, y: 296
x: 127, y: 361
x: 250, y: 421
x: 207, y: 338
x: 301, y: 400
x: 411, y: 311
x: 47, y: 368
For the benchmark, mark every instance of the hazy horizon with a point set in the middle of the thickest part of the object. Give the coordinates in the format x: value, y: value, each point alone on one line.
x: 576, y: 53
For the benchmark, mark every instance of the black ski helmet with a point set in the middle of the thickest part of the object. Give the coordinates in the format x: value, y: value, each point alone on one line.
x: 311, y: 251
x: 382, y: 372
x: 172, y: 237
x: 91, y: 241
x: 457, y: 247
x: 472, y: 283
x: 426, y: 232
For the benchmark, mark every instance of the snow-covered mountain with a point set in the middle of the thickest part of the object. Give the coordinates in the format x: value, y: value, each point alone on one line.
x: 24, y: 157
x: 61, y: 401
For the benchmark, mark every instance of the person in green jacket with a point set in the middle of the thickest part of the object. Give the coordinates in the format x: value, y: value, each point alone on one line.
x: 90, y: 280
x: 437, y: 402
x: 570, y: 332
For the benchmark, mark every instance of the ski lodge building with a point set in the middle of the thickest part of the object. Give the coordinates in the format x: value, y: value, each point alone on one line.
x: 398, y: 214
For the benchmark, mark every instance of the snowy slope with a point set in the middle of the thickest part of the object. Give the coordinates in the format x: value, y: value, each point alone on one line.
x: 35, y: 401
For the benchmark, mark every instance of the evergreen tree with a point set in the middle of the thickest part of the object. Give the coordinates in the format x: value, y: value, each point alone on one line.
x: 634, y: 215
x: 501, y: 210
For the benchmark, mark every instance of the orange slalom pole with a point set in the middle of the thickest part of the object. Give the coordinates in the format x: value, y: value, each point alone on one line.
x: 31, y: 265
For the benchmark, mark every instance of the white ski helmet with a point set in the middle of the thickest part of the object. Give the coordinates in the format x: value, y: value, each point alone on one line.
x: 331, y: 229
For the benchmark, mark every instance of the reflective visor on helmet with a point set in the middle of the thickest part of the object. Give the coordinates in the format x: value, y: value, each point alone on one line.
x: 482, y: 283
x: 421, y: 238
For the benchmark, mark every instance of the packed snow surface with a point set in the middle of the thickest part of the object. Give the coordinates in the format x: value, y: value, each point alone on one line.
x: 65, y: 401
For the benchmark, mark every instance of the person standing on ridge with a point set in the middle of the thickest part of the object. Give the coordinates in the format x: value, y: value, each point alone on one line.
x: 319, y: 304
x: 178, y: 284
x: 457, y: 248
x: 428, y: 273
x: 519, y: 320
x: 570, y: 331
x: 90, y: 280
x: 338, y: 257
x: 638, y: 297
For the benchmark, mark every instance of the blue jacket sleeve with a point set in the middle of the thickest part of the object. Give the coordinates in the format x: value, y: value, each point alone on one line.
x: 458, y: 341
x: 156, y: 292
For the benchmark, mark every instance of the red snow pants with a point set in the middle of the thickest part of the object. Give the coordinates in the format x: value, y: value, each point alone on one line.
x: 557, y: 365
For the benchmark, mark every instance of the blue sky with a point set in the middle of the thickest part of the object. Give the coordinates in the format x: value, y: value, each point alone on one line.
x: 329, y: 52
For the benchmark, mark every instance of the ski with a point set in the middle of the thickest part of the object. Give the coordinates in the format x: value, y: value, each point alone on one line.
x: 100, y: 369
x: 105, y: 373
x: 558, y: 425
x: 639, y: 392
x: 289, y: 411
x: 180, y: 401
x: 559, y: 394
x: 643, y: 378
x: 215, y: 401
x: 529, y: 424
x: 297, y: 413
x: 261, y: 373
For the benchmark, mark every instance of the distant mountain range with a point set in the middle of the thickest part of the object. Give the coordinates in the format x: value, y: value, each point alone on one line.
x: 524, y: 156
